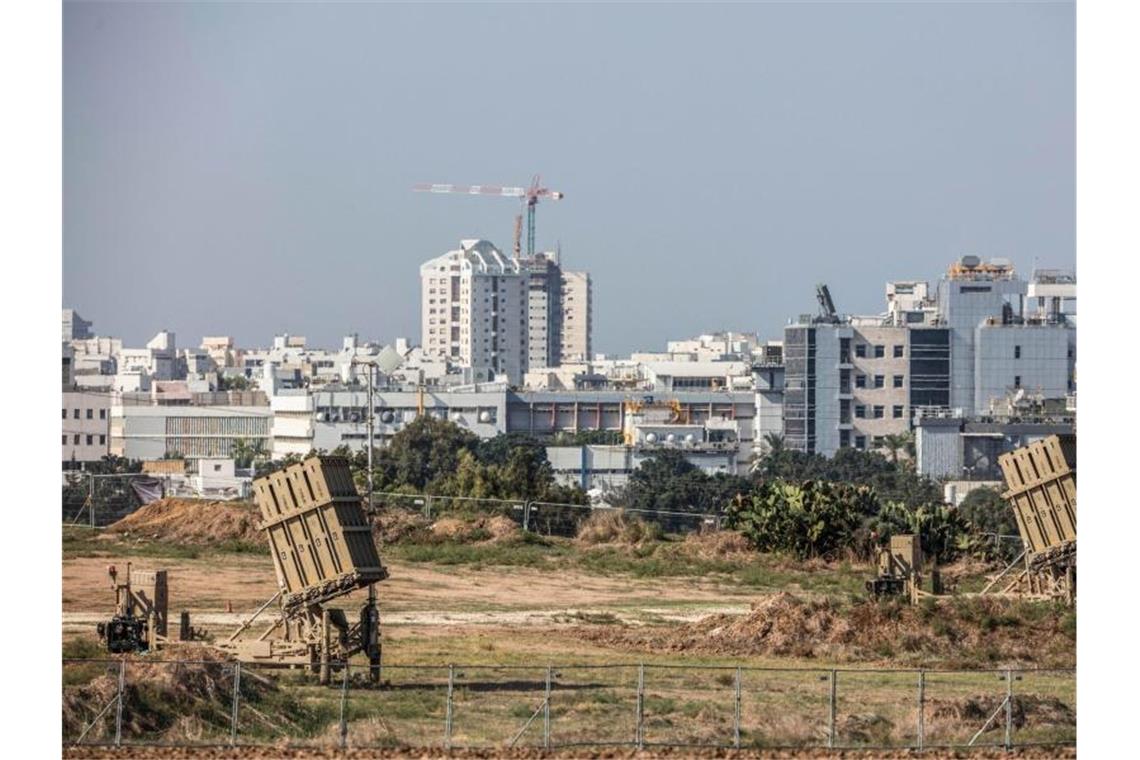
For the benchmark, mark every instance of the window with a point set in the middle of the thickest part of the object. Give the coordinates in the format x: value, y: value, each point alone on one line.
x: 76, y: 415
x: 102, y: 440
x: 1017, y: 381
x: 878, y: 412
x: 90, y: 414
x: 878, y: 381
x: 879, y: 352
x: 860, y: 350
x: 75, y: 439
x: 897, y: 381
x: 860, y: 381
x: 898, y: 351
x: 860, y: 442
x: 877, y: 442
x: 65, y: 414
x: 90, y: 440
x: 65, y: 439
x: 1017, y: 352
x: 860, y: 411
x: 897, y: 411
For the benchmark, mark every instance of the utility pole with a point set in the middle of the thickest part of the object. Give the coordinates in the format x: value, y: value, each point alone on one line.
x: 373, y: 613
x: 371, y: 434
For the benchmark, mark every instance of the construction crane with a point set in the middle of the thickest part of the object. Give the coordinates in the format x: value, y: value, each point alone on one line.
x: 529, y: 195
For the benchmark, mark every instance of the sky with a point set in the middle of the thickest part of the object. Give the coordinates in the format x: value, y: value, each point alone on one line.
x: 246, y: 169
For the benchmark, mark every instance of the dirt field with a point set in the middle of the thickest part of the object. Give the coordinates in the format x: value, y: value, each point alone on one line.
x: 245, y: 581
x: 496, y: 600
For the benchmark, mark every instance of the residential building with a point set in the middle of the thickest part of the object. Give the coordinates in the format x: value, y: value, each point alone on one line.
x: 577, y: 317
x: 86, y: 427
x: 498, y: 315
x: 221, y: 349
x: 474, y: 310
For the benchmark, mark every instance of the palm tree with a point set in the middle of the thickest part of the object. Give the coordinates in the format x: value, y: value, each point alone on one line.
x: 242, y: 452
x: 774, y: 443
x: 894, y: 442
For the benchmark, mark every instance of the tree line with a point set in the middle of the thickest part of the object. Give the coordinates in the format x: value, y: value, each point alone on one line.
x: 792, y: 502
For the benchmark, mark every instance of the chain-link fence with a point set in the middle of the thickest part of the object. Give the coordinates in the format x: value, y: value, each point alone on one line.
x: 96, y: 500
x: 543, y: 517
x: 211, y: 702
x: 99, y: 500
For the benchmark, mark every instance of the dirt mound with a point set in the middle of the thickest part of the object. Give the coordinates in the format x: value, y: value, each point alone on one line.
x: 393, y: 525
x: 963, y: 632
x: 496, y: 529
x: 615, y: 527
x: 720, y: 544
x: 193, y: 521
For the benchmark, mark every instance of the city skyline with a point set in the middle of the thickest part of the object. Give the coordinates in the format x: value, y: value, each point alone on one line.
x: 228, y: 171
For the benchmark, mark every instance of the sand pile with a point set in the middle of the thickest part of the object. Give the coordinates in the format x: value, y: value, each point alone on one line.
x: 193, y: 521
x: 961, y: 633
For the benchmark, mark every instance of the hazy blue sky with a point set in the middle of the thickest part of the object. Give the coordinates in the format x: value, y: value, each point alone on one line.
x: 246, y: 169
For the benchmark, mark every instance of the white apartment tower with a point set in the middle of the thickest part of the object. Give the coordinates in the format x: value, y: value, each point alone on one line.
x: 577, y: 317
x: 499, y: 315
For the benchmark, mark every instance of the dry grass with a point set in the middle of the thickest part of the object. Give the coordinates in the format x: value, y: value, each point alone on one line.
x: 615, y: 527
x: 976, y: 632
x: 496, y: 529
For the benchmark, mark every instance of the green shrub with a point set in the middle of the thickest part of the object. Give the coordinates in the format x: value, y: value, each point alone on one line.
x: 812, y: 519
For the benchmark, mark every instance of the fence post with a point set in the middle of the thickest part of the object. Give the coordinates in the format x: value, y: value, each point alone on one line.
x: 119, y: 703
x: 236, y: 703
x: 343, y: 705
x: 1008, y: 710
x: 91, y: 498
x: 427, y: 506
x: 447, y: 714
x: 526, y: 517
x: 546, y: 713
x: 921, y: 708
x: 831, y: 712
x: 640, y: 737
x: 736, y: 712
